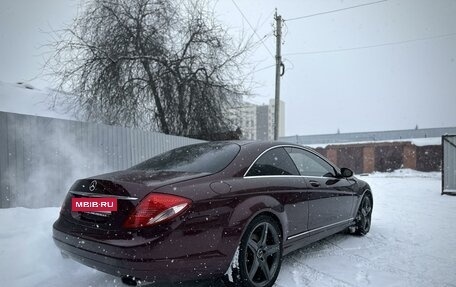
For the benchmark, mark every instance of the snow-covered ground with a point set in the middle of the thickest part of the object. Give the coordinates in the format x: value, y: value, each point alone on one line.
x: 411, y: 243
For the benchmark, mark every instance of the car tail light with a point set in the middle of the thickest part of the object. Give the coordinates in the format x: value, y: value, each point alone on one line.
x: 156, y: 208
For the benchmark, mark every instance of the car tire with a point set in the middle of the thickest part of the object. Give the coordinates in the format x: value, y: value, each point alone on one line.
x: 363, y: 216
x: 259, y: 256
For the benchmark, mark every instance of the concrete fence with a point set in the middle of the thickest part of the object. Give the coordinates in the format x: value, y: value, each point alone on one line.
x: 41, y: 157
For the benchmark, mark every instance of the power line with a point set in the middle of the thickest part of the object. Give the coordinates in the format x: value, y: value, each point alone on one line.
x: 267, y: 18
x: 371, y: 46
x: 264, y: 68
x: 267, y: 36
x: 332, y: 11
x: 251, y: 27
x: 259, y: 70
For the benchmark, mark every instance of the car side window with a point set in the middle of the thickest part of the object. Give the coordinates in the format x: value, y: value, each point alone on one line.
x: 274, y: 162
x: 310, y: 164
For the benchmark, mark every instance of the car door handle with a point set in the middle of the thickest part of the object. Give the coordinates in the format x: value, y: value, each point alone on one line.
x: 314, y: 183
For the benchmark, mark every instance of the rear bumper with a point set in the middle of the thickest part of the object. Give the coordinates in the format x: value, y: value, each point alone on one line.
x: 138, y: 260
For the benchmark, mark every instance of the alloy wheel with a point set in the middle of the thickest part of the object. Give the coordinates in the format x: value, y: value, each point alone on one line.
x: 364, y: 215
x: 262, y: 254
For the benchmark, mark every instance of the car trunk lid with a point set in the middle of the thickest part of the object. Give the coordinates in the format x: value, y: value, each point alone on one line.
x: 126, y: 187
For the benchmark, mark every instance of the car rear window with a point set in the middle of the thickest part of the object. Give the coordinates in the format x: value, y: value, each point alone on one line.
x: 206, y: 157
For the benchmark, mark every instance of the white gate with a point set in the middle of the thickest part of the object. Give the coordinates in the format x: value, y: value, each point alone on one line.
x: 449, y: 164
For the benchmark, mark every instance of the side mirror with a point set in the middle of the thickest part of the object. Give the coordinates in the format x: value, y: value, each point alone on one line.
x: 346, y: 172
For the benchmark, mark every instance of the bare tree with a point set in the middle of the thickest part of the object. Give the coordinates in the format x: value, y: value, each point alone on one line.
x: 163, y: 65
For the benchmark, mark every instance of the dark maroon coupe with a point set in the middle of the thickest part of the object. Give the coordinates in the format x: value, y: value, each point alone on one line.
x: 217, y: 209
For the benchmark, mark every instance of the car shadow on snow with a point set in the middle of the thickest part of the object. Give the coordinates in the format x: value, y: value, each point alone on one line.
x: 202, y: 283
x: 324, y: 247
x: 341, y: 242
x: 328, y: 246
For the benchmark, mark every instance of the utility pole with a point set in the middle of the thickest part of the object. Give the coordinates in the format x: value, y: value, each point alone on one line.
x: 278, y: 57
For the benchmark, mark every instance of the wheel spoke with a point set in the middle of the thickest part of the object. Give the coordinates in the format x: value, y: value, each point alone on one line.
x: 366, y: 208
x: 254, y: 268
x: 366, y: 204
x: 271, y: 249
x: 252, y: 245
x: 367, y: 223
x: 264, y: 235
x: 265, y: 269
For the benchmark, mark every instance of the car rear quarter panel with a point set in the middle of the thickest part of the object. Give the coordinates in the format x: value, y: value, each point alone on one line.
x: 215, y: 222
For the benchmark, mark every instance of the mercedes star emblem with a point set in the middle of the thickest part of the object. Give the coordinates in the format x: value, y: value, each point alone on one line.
x: 93, y: 185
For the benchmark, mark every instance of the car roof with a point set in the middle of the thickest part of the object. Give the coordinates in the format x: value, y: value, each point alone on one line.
x: 267, y: 144
x: 259, y: 144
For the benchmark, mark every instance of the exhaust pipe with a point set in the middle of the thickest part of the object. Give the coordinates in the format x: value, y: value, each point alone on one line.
x: 130, y: 281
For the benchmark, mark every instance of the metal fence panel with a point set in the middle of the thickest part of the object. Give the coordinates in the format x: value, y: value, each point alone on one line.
x: 449, y: 164
x: 369, y: 136
x: 41, y: 157
x: 4, y: 189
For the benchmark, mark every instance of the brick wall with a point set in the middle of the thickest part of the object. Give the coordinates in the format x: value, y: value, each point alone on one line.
x: 386, y: 156
x: 429, y: 158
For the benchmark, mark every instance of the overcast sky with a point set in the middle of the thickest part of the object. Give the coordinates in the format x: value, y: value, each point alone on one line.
x: 406, y: 76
